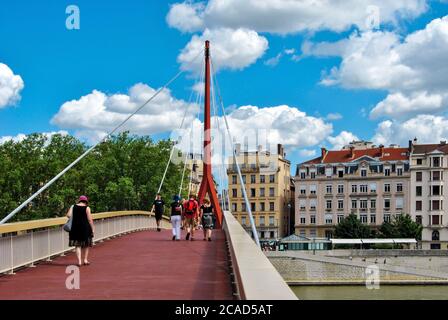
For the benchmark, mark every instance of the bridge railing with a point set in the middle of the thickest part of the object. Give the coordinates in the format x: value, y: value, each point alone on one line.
x: 256, y: 278
x: 25, y: 243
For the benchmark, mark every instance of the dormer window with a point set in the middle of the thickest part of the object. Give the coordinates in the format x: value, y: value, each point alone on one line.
x: 328, y: 172
x: 363, y: 172
x: 399, y: 171
x: 386, y: 171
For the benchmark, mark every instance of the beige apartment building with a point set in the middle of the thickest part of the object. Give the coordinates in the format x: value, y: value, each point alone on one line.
x: 267, y: 179
x: 429, y: 173
x: 370, y: 181
x: 195, y: 167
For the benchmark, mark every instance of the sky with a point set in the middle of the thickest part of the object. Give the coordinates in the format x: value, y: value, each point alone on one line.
x: 307, y: 74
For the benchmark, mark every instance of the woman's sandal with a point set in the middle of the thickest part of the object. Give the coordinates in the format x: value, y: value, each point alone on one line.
x: 86, y: 263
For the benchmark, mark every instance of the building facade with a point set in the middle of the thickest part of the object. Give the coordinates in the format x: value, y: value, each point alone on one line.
x: 267, y: 179
x: 371, y: 182
x: 429, y: 173
x: 195, y: 167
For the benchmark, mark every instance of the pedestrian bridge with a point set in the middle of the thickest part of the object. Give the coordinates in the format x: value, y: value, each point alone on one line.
x: 131, y: 260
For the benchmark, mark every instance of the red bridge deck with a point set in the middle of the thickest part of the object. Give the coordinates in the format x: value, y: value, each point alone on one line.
x: 142, y: 265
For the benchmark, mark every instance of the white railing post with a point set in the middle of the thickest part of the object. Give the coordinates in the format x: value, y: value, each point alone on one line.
x: 62, y: 241
x: 49, y: 245
x: 32, y: 250
x: 12, y: 256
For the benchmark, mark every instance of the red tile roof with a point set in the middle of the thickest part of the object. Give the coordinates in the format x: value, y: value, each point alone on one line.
x: 427, y: 148
x: 387, y: 154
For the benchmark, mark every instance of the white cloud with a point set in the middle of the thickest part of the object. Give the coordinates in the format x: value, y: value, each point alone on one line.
x: 97, y: 113
x: 427, y: 128
x: 334, y: 116
x: 186, y: 16
x: 21, y: 136
x: 289, y: 16
x: 10, y: 86
x: 306, y: 153
x: 412, y: 69
x: 230, y: 49
x: 342, y: 139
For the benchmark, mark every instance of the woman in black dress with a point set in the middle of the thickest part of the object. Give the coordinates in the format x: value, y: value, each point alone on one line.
x: 81, y: 233
x: 207, y: 219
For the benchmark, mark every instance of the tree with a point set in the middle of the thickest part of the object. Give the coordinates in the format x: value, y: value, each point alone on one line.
x: 402, y: 226
x: 351, y: 228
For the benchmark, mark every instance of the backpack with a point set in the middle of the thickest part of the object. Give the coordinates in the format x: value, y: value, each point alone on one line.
x: 190, y: 207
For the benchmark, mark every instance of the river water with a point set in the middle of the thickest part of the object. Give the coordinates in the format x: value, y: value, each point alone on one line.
x: 385, y: 292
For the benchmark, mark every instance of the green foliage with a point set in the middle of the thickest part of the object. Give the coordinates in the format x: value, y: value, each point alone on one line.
x: 351, y: 228
x: 402, y: 226
x: 122, y: 173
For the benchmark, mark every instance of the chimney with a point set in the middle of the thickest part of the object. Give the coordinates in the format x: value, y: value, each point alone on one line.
x: 352, y: 153
x: 381, y: 150
x: 323, y: 153
x: 280, y: 150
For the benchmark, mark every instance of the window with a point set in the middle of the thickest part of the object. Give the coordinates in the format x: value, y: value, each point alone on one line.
x: 328, y: 206
x: 418, y: 205
x: 354, y: 204
x: 302, y: 176
x: 302, y: 232
x: 340, y: 217
x: 243, y: 221
x: 252, y: 206
x: 234, y: 207
x: 387, y: 217
x: 261, y: 220
x: 372, y: 218
x: 234, y: 193
x: 363, y: 218
x: 363, y: 188
x: 363, y: 172
x: 418, y: 176
x: 328, y: 234
x: 328, y: 172
x: 262, y: 177
x: 262, y: 194
x: 252, y: 192
x: 302, y: 204
x: 262, y: 234
x: 234, y: 179
x: 271, y: 220
x: 373, y: 187
x: 244, y: 179
x: 387, y: 171
x: 272, y: 178
x: 329, y: 189
x: 387, y: 187
x: 313, y: 189
x: 340, y: 188
x: 302, y: 189
x: 386, y: 204
x: 340, y: 204
x: 399, y: 187
x: 435, y: 205
x: 313, y: 204
x: 313, y: 219
x: 272, y: 234
x: 252, y: 178
x: 436, y: 162
x: 340, y: 173
x: 243, y: 207
x: 435, y: 235
x: 435, y: 219
x: 363, y: 204
x: 262, y: 206
x: 372, y: 203
x: 419, y: 162
x: 313, y: 174
x: 271, y: 206
x: 436, y: 190
x: 399, y: 203
x: 271, y: 192
x: 418, y: 219
x: 302, y: 220
x: 328, y: 219
x: 354, y: 188
x: 436, y: 176
x: 399, y: 171
x: 418, y: 191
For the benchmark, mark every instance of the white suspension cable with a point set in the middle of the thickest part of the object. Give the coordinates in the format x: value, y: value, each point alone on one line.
x: 246, y: 200
x: 49, y: 183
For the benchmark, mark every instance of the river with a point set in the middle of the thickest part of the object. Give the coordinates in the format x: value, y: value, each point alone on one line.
x: 385, y: 292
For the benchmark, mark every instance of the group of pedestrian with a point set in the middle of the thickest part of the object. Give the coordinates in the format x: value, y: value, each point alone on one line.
x: 185, y: 214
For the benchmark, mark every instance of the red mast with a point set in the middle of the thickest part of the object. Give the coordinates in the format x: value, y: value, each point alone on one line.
x: 207, y: 184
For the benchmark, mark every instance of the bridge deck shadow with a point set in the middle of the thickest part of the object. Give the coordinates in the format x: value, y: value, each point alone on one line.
x: 141, y: 265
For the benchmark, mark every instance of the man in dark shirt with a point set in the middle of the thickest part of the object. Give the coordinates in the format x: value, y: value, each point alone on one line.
x: 158, y: 208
